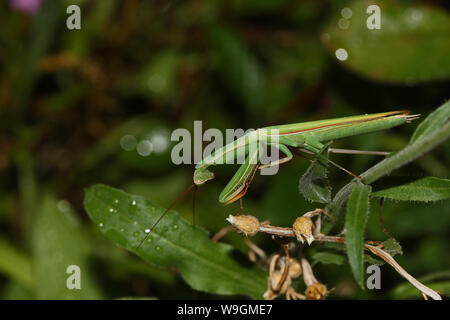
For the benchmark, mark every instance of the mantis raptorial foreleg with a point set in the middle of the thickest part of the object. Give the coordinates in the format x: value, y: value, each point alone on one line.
x: 239, y: 183
x: 283, y: 149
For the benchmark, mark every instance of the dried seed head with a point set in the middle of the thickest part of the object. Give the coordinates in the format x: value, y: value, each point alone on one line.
x: 316, y: 291
x: 248, y: 225
x: 295, y: 268
x: 303, y: 229
x: 273, y: 282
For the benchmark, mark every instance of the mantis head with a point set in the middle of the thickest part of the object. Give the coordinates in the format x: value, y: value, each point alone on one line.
x: 202, y: 175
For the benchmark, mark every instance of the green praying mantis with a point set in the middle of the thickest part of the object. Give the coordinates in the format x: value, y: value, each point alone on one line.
x: 309, y: 136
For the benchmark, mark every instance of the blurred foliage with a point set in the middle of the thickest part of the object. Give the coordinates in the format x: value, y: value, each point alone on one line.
x: 98, y: 105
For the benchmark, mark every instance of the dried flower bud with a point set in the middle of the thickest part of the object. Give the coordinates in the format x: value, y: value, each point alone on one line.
x: 295, y: 268
x: 303, y: 229
x: 316, y: 291
x: 273, y: 282
x: 248, y: 225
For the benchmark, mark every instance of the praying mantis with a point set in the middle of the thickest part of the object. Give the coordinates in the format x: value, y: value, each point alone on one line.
x: 309, y: 136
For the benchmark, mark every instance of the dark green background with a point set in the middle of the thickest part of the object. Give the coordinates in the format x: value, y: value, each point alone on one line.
x: 67, y: 97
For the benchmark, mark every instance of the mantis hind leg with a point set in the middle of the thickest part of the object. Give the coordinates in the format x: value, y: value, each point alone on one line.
x: 317, y: 148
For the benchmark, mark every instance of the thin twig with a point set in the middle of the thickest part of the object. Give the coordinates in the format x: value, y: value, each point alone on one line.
x: 260, y: 252
x: 221, y: 233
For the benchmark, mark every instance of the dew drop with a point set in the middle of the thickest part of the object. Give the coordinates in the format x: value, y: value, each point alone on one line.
x: 128, y: 142
x: 158, y: 248
x: 147, y: 230
x: 175, y: 227
x: 149, y: 240
x: 144, y: 148
x: 341, y: 54
x: 133, y: 203
x: 100, y: 225
x: 111, y: 210
x: 347, y: 13
x: 116, y: 201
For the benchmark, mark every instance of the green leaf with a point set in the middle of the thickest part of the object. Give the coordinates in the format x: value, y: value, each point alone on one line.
x: 203, y: 264
x: 434, y: 120
x: 313, y: 184
x: 59, y: 242
x: 410, y: 47
x: 392, y: 247
x: 355, y: 225
x: 426, y: 189
x: 16, y: 265
x: 327, y: 258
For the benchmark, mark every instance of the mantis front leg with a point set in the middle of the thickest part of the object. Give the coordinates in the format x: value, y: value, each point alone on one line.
x: 283, y: 149
x: 238, y: 185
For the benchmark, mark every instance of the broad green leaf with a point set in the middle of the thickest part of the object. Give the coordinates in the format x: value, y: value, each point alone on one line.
x: 59, y: 242
x: 410, y: 47
x: 328, y: 258
x: 355, y: 225
x: 203, y: 264
x: 313, y: 185
x: 15, y: 265
x: 433, y: 121
x: 425, y: 189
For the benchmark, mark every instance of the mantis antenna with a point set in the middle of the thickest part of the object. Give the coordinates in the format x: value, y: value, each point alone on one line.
x: 181, y: 196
